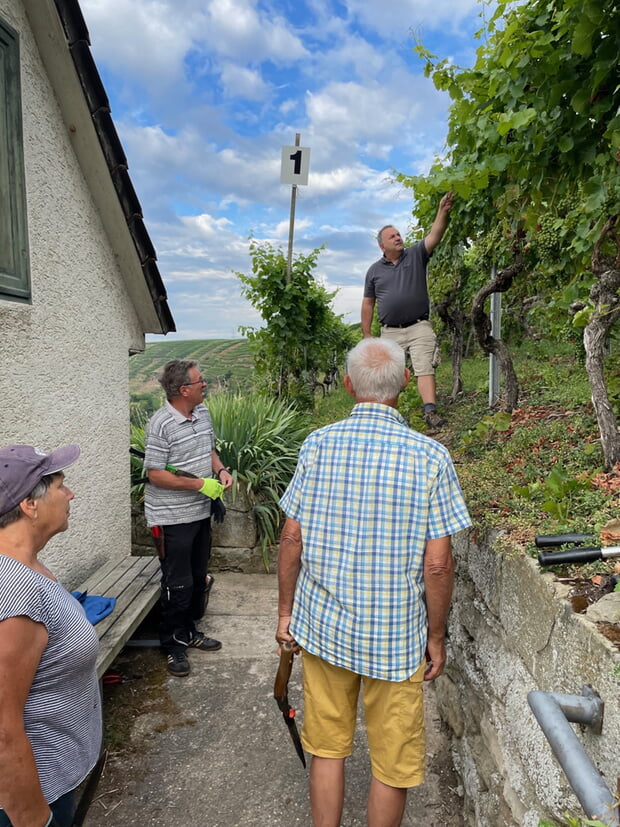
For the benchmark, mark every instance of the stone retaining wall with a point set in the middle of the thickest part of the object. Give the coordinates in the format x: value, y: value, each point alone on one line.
x: 511, y: 632
x: 235, y: 541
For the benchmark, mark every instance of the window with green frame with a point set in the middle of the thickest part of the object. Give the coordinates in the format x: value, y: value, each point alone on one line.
x: 14, y: 260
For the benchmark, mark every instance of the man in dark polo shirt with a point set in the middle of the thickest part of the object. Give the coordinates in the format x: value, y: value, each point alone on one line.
x: 398, y: 283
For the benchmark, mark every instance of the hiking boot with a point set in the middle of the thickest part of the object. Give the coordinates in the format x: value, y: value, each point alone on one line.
x: 178, y: 664
x: 204, y: 643
x: 433, y: 420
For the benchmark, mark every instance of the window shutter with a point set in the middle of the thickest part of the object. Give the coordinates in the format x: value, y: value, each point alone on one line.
x: 14, y: 259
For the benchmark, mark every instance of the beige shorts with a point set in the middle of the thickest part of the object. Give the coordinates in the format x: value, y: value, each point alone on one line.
x: 420, y: 340
x: 394, y: 714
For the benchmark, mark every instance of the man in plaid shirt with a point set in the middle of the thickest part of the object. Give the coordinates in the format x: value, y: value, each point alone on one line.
x: 365, y: 576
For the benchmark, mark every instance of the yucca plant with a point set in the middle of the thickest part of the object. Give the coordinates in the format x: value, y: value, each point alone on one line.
x: 259, y: 437
x: 136, y: 440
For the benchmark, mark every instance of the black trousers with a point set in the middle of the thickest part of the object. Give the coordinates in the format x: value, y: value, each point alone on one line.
x: 184, y: 568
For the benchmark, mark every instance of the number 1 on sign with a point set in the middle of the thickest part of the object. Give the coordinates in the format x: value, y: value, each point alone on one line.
x: 295, y: 165
x: 296, y: 157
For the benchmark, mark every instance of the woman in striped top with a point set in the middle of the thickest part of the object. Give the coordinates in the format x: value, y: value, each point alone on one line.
x: 50, y: 713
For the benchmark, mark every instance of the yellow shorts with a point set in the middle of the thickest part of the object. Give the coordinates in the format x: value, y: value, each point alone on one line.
x: 394, y: 714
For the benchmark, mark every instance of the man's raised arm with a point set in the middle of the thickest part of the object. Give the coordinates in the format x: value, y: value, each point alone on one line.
x: 439, y: 224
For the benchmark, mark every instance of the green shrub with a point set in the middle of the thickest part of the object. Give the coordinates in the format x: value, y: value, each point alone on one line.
x: 136, y: 441
x: 259, y: 437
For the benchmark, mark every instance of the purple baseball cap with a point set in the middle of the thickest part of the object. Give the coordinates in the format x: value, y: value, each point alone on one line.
x: 22, y: 468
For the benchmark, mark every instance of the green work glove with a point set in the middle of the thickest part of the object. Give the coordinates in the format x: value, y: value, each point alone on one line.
x: 211, y: 488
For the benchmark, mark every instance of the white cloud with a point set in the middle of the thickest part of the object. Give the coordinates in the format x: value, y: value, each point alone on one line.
x: 352, y: 111
x: 236, y: 29
x: 241, y: 82
x: 392, y: 17
x: 363, y: 59
x: 205, y: 95
x: 206, y: 225
x: 282, y: 229
x: 148, y: 39
x: 167, y: 45
x: 190, y: 167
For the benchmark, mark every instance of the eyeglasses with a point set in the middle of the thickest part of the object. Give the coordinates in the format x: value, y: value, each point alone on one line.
x: 200, y: 381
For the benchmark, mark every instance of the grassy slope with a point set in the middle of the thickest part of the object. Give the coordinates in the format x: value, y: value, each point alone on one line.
x: 536, y: 472
x: 224, y: 363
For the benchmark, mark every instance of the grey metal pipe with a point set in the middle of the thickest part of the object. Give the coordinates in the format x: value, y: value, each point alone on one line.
x: 553, y: 712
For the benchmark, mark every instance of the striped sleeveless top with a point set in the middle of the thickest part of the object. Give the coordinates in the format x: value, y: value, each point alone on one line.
x: 62, y: 715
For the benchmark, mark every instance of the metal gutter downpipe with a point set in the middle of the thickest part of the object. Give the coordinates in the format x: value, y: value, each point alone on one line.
x: 553, y: 712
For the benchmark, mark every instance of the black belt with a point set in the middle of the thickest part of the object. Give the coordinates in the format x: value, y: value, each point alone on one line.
x: 423, y: 318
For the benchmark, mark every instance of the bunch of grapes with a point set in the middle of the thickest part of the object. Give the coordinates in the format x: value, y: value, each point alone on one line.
x: 546, y: 238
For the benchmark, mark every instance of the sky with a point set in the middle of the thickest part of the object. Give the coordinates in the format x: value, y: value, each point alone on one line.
x: 204, y: 95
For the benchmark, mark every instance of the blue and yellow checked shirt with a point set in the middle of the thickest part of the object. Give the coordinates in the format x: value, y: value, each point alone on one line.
x: 368, y: 492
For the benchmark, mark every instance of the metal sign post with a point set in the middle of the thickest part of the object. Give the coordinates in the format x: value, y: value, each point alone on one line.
x: 496, y: 332
x: 294, y: 171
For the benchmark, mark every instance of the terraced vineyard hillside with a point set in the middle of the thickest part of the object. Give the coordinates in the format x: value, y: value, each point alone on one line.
x: 226, y: 364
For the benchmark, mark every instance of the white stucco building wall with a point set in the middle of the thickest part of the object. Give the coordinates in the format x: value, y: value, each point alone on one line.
x: 64, y: 357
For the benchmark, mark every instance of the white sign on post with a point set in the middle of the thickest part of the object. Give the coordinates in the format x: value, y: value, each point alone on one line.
x: 295, y: 165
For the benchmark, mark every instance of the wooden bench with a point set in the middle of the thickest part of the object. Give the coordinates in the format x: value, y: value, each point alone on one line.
x: 134, y: 582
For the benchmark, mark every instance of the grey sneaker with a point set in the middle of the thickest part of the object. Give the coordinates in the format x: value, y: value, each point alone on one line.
x: 434, y: 421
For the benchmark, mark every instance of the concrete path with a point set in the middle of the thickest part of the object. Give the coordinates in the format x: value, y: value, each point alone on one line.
x: 212, y: 750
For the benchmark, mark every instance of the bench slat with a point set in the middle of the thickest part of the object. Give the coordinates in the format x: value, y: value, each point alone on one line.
x: 128, y: 592
x: 96, y: 577
x: 105, y: 581
x: 135, y: 583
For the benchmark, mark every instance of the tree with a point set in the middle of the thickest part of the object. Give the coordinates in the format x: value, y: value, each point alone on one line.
x: 536, y: 123
x: 302, y: 333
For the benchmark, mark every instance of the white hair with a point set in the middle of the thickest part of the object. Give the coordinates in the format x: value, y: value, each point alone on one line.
x: 376, y: 368
x: 39, y: 491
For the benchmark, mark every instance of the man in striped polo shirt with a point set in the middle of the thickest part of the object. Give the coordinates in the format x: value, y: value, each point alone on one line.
x: 365, y: 577
x: 180, y: 434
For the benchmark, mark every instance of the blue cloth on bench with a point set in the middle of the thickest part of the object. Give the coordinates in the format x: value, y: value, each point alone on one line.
x: 96, y: 607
